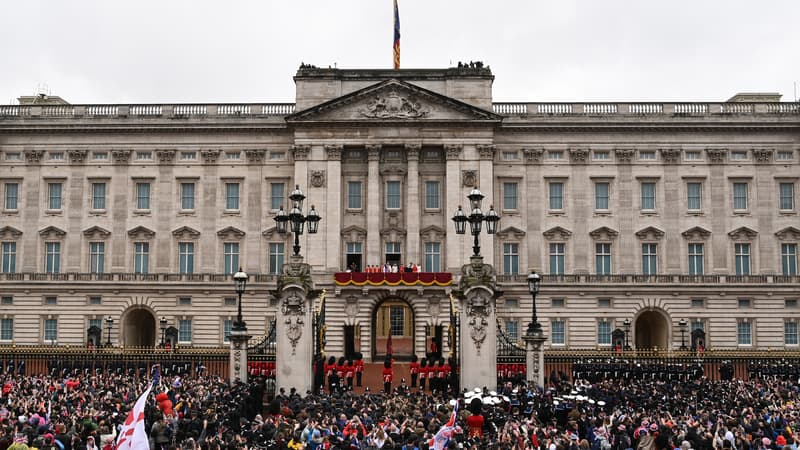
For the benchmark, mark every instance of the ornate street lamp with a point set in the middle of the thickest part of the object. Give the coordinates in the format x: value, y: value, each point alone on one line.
x: 534, y: 327
x: 162, y: 324
x: 682, y: 325
x: 476, y: 218
x: 239, y: 283
x: 296, y: 219
x: 627, y: 324
x: 109, y: 324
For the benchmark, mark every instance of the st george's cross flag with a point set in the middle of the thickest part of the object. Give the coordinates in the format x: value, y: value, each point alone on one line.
x: 132, y: 435
x: 396, y: 46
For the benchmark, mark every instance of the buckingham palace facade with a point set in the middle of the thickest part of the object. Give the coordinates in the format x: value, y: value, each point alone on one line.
x: 653, y: 218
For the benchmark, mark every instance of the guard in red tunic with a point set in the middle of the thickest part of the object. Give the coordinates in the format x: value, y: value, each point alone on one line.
x: 359, y: 368
x: 413, y: 368
x: 349, y: 373
x: 388, y: 374
x: 423, y: 373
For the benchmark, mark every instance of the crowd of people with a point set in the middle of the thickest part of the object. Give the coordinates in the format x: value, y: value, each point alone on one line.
x: 388, y: 267
x: 84, y: 412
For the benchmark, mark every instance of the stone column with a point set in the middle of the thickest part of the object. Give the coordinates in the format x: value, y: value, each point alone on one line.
x: 534, y: 358
x: 454, y: 196
x: 415, y: 203
x: 374, y: 207
x: 295, y: 343
x: 477, y: 294
x: 237, y: 364
x: 486, y: 184
x: 333, y: 209
x: 301, y: 154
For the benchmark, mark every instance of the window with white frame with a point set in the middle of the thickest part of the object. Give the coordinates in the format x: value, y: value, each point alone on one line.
x: 143, y: 195
x: 784, y: 155
x: 54, y: 193
x: 52, y: 257
x: 601, y: 155
x: 11, y: 196
x: 392, y: 194
x: 789, y: 259
x: 186, y: 257
x: 97, y: 257
x: 99, y: 195
x: 227, y: 326
x: 100, y: 156
x: 232, y: 196
x: 739, y: 155
x: 511, y: 258
x: 56, y: 156
x: 558, y: 332
x: 694, y: 196
x: 50, y: 330
x: 601, y: 191
x: 512, y: 329
x: 698, y: 303
x: 188, y: 156
x: 786, y: 193
x: 233, y: 155
x: 510, y: 155
x: 230, y: 252
x: 744, y: 332
x: 648, y: 195
x: 692, y: 155
x: 557, y: 258
x: 144, y: 156
x: 555, y: 154
x: 696, y: 258
x: 277, y: 251
x: 431, y: 195
x: 393, y: 253
x: 790, y: 332
x: 509, y: 196
x: 433, y: 256
x: 649, y: 259
x: 277, y: 195
x: 602, y: 253
x: 6, y: 329
x: 556, y: 195
x: 353, y: 195
x: 13, y: 156
x: 187, y: 195
x: 141, y: 257
x: 647, y: 155
x: 742, y: 256
x: 604, y: 332
x: 185, y: 330
x: 9, y: 257
x: 740, y: 196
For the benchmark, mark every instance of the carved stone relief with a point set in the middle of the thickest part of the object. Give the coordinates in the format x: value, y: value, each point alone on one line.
x: 579, y: 155
x: 77, y: 156
x: 209, y: 155
x: 33, y: 156
x: 255, y: 155
x: 716, y: 155
x: 334, y: 152
x: 300, y: 152
x: 533, y: 155
x: 121, y: 156
x: 165, y: 156
x: 624, y: 155
x: 762, y: 155
x: 453, y: 151
x: 412, y: 151
x: 317, y: 178
x: 392, y: 105
x: 293, y: 309
x: 486, y: 152
x: 671, y: 155
x: 469, y: 178
x: 479, y: 309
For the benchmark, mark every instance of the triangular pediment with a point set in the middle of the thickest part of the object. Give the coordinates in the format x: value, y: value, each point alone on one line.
x: 96, y: 232
x: 743, y: 234
x: 557, y: 234
x: 394, y: 101
x: 604, y: 234
x: 511, y: 232
x: 230, y: 233
x: 10, y: 233
x: 354, y: 233
x: 186, y: 232
x: 52, y: 232
x: 650, y: 233
x: 432, y: 233
x: 392, y: 233
x: 141, y: 232
x: 696, y: 233
x: 788, y: 234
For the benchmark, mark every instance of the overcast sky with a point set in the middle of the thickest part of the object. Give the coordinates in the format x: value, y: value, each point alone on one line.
x: 143, y: 51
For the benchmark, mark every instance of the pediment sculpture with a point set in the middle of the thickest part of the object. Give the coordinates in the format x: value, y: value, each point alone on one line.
x: 394, y: 106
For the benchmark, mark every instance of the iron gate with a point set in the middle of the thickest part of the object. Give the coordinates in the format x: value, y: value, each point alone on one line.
x: 510, y: 359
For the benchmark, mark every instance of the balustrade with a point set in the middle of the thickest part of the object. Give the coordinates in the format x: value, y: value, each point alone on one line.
x: 102, y: 110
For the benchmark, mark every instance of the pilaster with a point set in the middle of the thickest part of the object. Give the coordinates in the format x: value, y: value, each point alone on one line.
x: 454, y: 249
x: 333, y: 208
x: 374, y: 206
x: 414, y: 204
x: 486, y: 154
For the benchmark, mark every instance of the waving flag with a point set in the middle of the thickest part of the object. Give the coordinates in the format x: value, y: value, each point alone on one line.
x: 132, y: 435
x: 396, y: 37
x: 442, y: 437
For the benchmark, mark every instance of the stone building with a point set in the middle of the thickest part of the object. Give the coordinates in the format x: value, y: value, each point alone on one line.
x: 652, y: 218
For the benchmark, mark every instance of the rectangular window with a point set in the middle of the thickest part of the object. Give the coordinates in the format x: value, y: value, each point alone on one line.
x: 187, y: 196
x: 12, y: 196
x: 557, y: 302
x: 738, y: 155
x: 185, y: 330
x: 185, y: 301
x: 647, y: 154
x: 393, y: 255
x: 787, y: 196
x: 95, y: 300
x: 512, y: 330
x: 789, y: 259
x: 354, y: 195
x: 557, y: 258
x: 98, y: 196
x: 693, y: 156
x: 7, y: 329
x: 276, y: 255
x: 52, y: 259
x: 54, y: 195
x: 556, y: 195
x: 790, y: 333
x: 142, y: 195
x: 233, y: 155
x: 100, y: 155
x: 604, y: 303
x: 51, y: 300
x: 232, y: 196
x: 277, y: 155
x: 227, y: 326
x: 230, y: 301
x: 555, y: 154
x: 740, y: 196
x: 230, y: 251
x: 9, y: 250
x: 558, y: 335
x: 744, y: 334
x: 277, y: 195
x: 392, y: 195
x: 601, y: 196
x: 431, y: 195
x: 188, y: 156
x: 13, y: 156
x: 696, y: 259
x: 698, y: 303
x: 397, y: 320
x: 433, y: 256
x: 601, y: 155
x: 510, y: 156
x: 56, y: 156
x: 744, y: 302
x: 784, y: 155
x: 694, y: 196
x: 742, y: 252
x: 648, y: 195
x: 144, y: 156
x: 790, y: 303
x: 649, y: 259
x: 186, y: 257
x: 97, y: 257
x: 697, y: 325
x: 50, y: 330
x: 602, y: 253
x: 604, y: 333
x: 509, y: 195
x: 141, y: 257
x: 96, y: 323
x: 511, y: 258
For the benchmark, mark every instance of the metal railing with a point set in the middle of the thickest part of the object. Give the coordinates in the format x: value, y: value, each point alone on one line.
x: 133, y: 277
x: 175, y: 110
x: 644, y: 108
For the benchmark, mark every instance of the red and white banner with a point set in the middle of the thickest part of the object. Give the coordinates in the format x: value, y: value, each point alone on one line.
x: 132, y: 436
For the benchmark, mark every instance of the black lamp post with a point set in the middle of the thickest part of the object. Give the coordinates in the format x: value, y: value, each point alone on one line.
x: 627, y: 324
x: 239, y: 283
x: 682, y: 325
x: 162, y: 324
x: 296, y: 217
x: 476, y: 218
x: 109, y: 324
x: 534, y: 328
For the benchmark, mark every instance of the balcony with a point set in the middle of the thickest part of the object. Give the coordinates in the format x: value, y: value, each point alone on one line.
x: 393, y: 279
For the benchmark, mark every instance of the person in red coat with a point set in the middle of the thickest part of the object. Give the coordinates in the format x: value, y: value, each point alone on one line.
x: 388, y: 374
x: 413, y: 369
x: 476, y: 420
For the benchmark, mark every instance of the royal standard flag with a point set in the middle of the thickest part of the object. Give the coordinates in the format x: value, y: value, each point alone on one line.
x: 396, y: 37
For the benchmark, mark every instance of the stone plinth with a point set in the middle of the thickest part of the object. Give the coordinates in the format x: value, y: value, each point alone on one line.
x: 534, y: 358
x: 294, y: 333
x: 238, y: 355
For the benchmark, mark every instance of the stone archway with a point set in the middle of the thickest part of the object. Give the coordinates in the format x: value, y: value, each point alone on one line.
x: 393, y: 326
x: 139, y: 328
x: 651, y: 330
